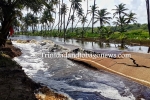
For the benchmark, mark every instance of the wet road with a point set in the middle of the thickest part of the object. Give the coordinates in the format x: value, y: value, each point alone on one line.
x: 78, y: 81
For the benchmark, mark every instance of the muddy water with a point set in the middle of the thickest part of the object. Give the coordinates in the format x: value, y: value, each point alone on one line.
x: 78, y: 81
x: 87, y: 45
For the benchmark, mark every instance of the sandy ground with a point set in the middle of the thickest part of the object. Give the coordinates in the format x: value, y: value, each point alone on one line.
x: 137, y: 67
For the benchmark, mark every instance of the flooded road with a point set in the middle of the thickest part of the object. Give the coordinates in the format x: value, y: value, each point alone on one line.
x: 76, y: 80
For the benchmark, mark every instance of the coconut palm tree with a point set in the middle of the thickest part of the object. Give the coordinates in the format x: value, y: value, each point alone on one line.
x: 121, y: 22
x: 93, y: 14
x: 87, y: 4
x: 75, y: 6
x: 42, y: 21
x: 79, y: 14
x: 61, y: 13
x: 130, y: 17
x: 148, y: 14
x: 55, y: 3
x: 92, y: 11
x: 51, y: 22
x: 116, y: 24
x: 34, y: 23
x: 101, y: 16
x: 9, y: 11
x: 120, y: 11
x: 83, y: 21
x: 72, y: 19
x: 28, y: 20
x: 64, y: 9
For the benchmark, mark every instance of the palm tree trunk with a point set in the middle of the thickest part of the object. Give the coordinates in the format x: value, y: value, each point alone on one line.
x: 69, y: 17
x: 121, y: 23
x: 89, y: 23
x: 72, y: 26
x: 148, y: 15
x: 42, y: 28
x: 83, y: 30
x: 32, y: 26
x: 59, y: 18
x: 77, y: 24
x: 64, y: 30
x: 87, y: 10
x: 93, y: 18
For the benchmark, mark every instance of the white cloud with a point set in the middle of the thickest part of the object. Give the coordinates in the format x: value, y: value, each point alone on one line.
x: 137, y: 6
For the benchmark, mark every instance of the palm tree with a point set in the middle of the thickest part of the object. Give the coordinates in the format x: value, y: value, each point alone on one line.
x: 9, y: 12
x: 130, y: 17
x: 116, y: 24
x: 52, y: 10
x: 51, y: 22
x: 121, y: 22
x: 120, y: 11
x: 42, y: 21
x: 93, y: 10
x: 34, y: 23
x: 83, y: 21
x: 28, y: 20
x: 79, y: 14
x: 64, y: 9
x: 93, y: 16
x: 101, y: 16
x: 148, y: 15
x: 46, y: 16
x: 56, y: 3
x: 75, y: 6
x: 61, y: 13
x: 87, y: 9
x: 72, y: 19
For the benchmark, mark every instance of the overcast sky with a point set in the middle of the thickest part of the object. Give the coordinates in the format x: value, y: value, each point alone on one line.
x: 136, y: 6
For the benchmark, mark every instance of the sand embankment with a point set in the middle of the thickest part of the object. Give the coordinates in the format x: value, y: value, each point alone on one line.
x: 137, y: 67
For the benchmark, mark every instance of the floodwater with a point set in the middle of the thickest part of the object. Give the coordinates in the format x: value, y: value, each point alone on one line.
x: 87, y: 45
x: 76, y: 80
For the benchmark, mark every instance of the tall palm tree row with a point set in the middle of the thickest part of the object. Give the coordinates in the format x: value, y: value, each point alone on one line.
x: 101, y: 16
x: 52, y: 8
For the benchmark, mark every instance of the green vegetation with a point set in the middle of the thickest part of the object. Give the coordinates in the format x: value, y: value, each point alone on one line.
x: 48, y: 18
x: 133, y: 31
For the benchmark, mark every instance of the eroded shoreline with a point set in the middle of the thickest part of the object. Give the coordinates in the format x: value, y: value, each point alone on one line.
x: 15, y: 84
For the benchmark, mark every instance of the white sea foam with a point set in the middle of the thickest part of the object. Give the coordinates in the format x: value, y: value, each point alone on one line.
x: 37, y: 69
